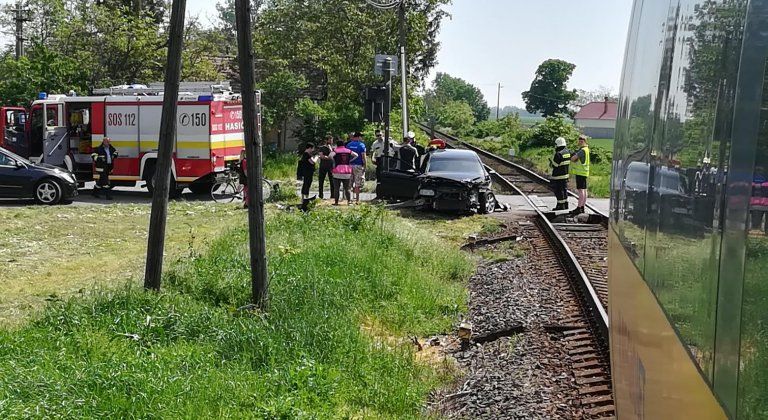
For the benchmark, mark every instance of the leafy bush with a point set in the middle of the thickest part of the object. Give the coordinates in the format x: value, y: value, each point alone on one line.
x: 507, y: 126
x: 544, y: 134
x: 456, y: 115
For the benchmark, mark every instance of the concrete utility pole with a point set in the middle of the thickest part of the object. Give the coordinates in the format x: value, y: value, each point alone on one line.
x: 20, y: 17
x: 387, y: 67
x: 252, y: 129
x: 498, y: 100
x: 162, y: 176
x: 403, y: 76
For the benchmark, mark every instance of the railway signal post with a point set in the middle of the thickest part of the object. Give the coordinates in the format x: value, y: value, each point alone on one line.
x: 162, y: 176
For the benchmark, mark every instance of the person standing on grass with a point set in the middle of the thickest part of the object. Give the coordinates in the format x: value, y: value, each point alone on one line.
x: 342, y: 170
x: 358, y: 164
x: 306, y: 171
x: 559, y: 164
x: 326, y: 166
x: 580, y: 168
x: 104, y: 157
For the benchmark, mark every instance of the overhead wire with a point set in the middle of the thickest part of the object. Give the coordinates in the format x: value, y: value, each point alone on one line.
x: 383, y: 6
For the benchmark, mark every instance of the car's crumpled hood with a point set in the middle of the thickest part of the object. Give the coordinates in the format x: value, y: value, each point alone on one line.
x: 460, y: 177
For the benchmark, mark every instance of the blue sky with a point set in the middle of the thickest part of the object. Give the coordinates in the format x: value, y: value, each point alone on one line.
x: 491, y: 41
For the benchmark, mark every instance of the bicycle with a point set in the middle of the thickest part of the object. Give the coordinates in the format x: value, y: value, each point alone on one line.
x: 227, y: 187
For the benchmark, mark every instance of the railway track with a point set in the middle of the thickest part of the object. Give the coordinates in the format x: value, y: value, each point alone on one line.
x: 588, y: 242
x: 581, y: 253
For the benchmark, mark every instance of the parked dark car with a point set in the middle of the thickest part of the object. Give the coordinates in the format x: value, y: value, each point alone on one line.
x: 46, y: 184
x: 451, y: 180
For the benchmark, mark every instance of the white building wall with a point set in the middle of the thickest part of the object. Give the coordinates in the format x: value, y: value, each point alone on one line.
x: 595, y: 123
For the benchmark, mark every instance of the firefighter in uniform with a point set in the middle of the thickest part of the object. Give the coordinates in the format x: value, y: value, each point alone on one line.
x: 580, y: 168
x: 104, y: 157
x: 559, y: 164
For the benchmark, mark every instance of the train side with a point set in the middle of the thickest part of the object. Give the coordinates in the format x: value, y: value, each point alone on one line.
x: 689, y: 197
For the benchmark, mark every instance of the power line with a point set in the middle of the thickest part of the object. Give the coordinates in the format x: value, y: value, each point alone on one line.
x: 383, y: 6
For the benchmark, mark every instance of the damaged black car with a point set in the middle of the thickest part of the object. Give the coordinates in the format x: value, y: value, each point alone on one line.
x: 446, y: 180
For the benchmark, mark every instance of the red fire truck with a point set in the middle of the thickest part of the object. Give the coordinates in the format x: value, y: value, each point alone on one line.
x: 62, y: 130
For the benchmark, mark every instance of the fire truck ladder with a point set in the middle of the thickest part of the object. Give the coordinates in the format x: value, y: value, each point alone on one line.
x: 157, y: 88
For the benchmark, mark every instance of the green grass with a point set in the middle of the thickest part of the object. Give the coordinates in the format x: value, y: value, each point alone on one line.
x: 599, y: 176
x: 347, y: 288
x: 753, y: 379
x: 606, y: 144
x: 56, y: 252
x: 280, y: 166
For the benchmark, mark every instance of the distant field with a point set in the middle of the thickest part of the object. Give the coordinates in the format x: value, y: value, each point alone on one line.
x: 604, y: 143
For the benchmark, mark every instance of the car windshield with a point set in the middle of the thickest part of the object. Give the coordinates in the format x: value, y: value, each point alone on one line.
x: 467, y: 165
x: 15, y: 157
x: 637, y: 176
x: 673, y: 181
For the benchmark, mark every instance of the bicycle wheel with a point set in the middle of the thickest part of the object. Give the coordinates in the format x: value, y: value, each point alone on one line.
x: 223, y: 192
x: 266, y: 189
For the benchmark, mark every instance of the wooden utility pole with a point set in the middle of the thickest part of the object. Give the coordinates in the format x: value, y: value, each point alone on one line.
x: 252, y: 129
x: 162, y: 176
x: 498, y: 101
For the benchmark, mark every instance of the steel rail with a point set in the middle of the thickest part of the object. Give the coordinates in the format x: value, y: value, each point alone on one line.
x: 595, y: 310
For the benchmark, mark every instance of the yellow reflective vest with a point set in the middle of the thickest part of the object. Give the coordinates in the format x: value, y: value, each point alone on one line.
x: 579, y: 168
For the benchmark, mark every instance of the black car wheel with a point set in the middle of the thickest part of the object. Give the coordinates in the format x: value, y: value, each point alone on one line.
x: 48, y: 192
x: 487, y: 203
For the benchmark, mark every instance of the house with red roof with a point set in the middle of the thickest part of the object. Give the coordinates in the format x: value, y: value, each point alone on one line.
x: 597, y: 119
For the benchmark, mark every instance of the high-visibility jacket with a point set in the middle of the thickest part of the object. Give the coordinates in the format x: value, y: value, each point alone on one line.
x: 560, y: 163
x: 579, y: 168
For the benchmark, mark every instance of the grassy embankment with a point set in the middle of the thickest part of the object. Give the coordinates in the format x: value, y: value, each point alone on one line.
x: 346, y: 289
x: 49, y: 253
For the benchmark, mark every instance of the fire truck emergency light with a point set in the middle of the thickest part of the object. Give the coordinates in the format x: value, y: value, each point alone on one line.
x: 42, y: 95
x: 205, y: 98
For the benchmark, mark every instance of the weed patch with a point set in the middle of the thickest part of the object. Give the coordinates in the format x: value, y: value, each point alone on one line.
x: 188, y: 352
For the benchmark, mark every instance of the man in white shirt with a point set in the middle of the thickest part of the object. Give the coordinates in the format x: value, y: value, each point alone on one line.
x: 377, y: 151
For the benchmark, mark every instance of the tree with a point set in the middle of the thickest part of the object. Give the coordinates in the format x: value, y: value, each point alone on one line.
x: 548, y: 94
x: 596, y: 95
x: 306, y: 34
x: 42, y: 70
x: 447, y: 88
x: 456, y: 114
x: 281, y: 94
